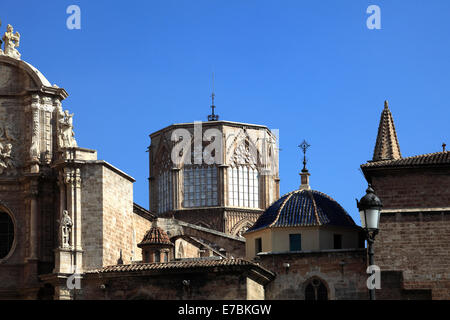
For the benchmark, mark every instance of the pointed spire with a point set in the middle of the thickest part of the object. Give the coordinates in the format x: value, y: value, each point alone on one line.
x: 386, y: 147
x: 305, y: 173
x: 212, y: 116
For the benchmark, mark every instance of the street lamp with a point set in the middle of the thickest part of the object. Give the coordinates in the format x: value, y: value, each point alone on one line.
x: 369, y: 210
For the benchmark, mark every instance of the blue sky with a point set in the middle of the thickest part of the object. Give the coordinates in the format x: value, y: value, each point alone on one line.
x: 311, y: 69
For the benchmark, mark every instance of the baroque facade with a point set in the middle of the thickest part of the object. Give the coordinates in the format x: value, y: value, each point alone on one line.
x: 62, y: 211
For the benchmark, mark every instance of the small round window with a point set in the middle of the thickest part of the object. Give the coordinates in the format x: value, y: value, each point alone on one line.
x: 6, y: 234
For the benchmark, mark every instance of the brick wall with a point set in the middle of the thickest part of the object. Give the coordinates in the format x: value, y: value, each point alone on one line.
x: 419, y: 245
x: 412, y: 188
x: 169, y: 286
x: 413, y: 237
x: 343, y: 271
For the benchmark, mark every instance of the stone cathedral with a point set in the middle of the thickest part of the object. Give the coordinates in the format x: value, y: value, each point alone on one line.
x: 216, y: 227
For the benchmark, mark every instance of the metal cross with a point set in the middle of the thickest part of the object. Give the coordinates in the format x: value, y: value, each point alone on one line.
x: 304, y: 146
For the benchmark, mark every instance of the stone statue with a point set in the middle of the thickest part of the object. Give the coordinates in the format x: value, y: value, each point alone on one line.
x: 66, y: 229
x: 12, y: 41
x: 66, y: 134
x: 5, y: 158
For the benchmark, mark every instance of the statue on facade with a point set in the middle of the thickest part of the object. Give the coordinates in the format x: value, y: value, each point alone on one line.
x: 5, y: 158
x: 66, y: 135
x: 12, y: 41
x: 66, y: 229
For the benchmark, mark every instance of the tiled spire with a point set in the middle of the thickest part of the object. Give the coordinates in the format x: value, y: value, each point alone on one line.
x: 386, y: 147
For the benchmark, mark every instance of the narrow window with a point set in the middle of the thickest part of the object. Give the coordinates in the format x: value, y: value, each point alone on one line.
x: 337, y: 241
x: 295, y: 242
x: 157, y: 256
x: 258, y: 245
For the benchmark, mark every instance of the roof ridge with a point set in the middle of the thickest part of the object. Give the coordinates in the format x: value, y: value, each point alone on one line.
x: 288, y: 196
x: 316, y: 213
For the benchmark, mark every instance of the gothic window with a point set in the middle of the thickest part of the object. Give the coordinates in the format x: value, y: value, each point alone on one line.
x: 164, y: 192
x: 243, y: 176
x: 200, y: 187
x: 316, y: 290
x: 6, y: 234
x: 243, y: 187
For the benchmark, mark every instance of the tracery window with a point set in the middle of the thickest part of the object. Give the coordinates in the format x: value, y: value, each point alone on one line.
x: 164, y: 192
x: 243, y: 187
x: 200, y: 187
x: 316, y: 290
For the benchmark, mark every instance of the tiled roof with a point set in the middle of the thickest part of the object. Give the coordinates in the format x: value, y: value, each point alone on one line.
x: 175, y: 265
x: 303, y: 208
x: 429, y: 159
x: 155, y: 235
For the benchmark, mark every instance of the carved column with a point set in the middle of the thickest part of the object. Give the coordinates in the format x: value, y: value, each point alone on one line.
x: 73, y: 185
x: 34, y: 213
x: 176, y: 188
x: 223, y: 185
x: 34, y: 149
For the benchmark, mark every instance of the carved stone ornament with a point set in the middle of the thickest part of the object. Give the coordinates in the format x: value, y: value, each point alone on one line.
x: 12, y: 41
x: 7, y: 164
x: 66, y: 136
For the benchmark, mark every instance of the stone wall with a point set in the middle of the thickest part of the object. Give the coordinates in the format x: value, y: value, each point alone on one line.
x: 118, y: 242
x: 111, y: 231
x: 92, y: 222
x: 169, y: 286
x: 342, y: 271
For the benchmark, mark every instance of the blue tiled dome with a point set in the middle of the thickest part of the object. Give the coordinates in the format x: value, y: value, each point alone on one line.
x: 304, y: 208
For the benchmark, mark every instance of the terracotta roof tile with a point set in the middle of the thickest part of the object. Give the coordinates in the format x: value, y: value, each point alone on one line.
x: 190, y: 264
x: 430, y: 159
x: 155, y: 235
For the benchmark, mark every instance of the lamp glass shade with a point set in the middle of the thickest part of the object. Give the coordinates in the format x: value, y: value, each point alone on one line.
x: 370, y: 218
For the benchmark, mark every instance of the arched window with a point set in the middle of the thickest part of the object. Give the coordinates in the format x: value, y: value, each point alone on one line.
x: 6, y: 234
x: 200, y: 187
x: 316, y: 290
